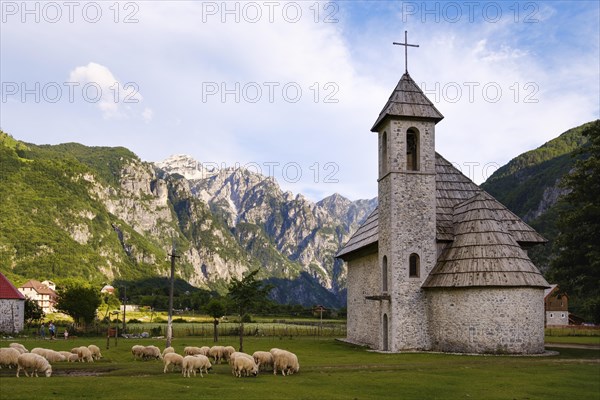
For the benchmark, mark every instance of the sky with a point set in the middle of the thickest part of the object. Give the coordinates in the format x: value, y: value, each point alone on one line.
x: 291, y: 89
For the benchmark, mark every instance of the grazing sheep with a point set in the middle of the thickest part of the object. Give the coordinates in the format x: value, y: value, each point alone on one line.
x: 263, y: 359
x: 242, y: 365
x: 191, y: 350
x: 137, y: 351
x: 227, y: 352
x: 215, y: 352
x: 84, y: 354
x: 151, y: 353
x: 195, y: 363
x: 19, y: 347
x: 167, y: 350
x: 53, y: 356
x: 8, y: 357
x: 204, y: 350
x: 95, y: 350
x: 172, y: 359
x: 285, y: 361
x: 34, y: 362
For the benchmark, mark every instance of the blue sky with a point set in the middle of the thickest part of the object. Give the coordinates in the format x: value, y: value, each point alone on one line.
x: 291, y: 89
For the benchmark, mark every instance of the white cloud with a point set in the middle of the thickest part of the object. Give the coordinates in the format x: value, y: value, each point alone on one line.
x: 147, y: 114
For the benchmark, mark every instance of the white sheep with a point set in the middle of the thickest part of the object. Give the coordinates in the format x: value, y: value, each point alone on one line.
x: 137, y: 351
x: 242, y: 365
x: 8, y: 357
x: 167, y: 350
x: 95, y: 350
x: 195, y: 363
x: 216, y: 353
x: 204, y: 350
x: 19, y: 347
x: 192, y: 350
x: 151, y: 352
x: 172, y: 359
x: 34, y: 362
x: 263, y: 359
x: 285, y: 361
x: 226, y: 352
x: 53, y: 356
x: 84, y: 354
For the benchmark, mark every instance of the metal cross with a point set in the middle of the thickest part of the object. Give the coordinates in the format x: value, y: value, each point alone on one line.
x: 405, y: 44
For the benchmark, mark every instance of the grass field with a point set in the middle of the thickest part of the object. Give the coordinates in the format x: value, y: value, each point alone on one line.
x: 329, y: 370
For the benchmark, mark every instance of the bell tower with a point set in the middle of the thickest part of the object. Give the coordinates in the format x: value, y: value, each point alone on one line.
x: 407, y: 212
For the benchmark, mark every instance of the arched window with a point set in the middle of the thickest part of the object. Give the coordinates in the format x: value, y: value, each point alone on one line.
x: 413, y: 266
x: 412, y: 150
x: 384, y: 153
x: 384, y: 275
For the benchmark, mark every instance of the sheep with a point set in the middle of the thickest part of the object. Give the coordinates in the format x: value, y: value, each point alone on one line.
x: 95, y: 350
x: 70, y: 357
x: 167, y: 350
x: 84, y: 354
x: 151, y: 352
x: 34, y: 362
x: 263, y: 359
x: 174, y: 359
x: 226, y: 352
x: 244, y: 365
x: 19, y: 347
x: 9, y: 356
x: 216, y: 353
x: 193, y: 363
x: 137, y: 351
x: 192, y: 350
x: 284, y: 361
x: 53, y: 356
x: 204, y: 350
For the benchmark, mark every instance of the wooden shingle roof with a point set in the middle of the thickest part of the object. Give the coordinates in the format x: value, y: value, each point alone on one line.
x: 408, y: 101
x: 483, y: 252
x: 452, y: 189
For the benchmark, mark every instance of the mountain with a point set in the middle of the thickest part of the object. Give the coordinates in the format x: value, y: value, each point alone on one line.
x: 102, y: 214
x: 529, y: 185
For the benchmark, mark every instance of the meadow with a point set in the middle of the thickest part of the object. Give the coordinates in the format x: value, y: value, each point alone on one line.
x: 329, y: 369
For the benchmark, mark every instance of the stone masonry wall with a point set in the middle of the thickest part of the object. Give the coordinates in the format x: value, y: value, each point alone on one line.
x: 363, y: 325
x: 487, y: 320
x: 12, y: 315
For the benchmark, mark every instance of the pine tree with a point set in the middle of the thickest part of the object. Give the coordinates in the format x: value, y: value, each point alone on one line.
x: 576, y: 268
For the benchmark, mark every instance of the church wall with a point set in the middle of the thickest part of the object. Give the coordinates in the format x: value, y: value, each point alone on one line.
x: 487, y: 320
x: 363, y: 324
x: 12, y: 315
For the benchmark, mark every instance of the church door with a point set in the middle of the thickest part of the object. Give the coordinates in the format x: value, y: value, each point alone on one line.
x: 384, y: 328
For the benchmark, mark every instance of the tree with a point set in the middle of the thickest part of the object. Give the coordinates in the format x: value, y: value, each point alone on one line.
x: 247, y: 295
x: 576, y: 269
x: 79, y: 302
x: 215, y: 308
x: 33, y: 311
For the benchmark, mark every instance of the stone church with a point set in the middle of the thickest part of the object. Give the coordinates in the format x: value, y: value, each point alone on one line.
x: 440, y: 265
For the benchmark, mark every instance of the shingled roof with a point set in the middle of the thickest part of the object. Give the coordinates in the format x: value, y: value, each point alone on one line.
x: 408, y: 101
x: 452, y: 189
x: 484, y: 252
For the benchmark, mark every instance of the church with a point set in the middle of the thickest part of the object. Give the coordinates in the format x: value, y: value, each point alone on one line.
x: 440, y: 265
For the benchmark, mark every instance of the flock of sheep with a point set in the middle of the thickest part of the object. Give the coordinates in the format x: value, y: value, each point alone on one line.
x: 195, y: 359
x: 40, y: 359
x: 198, y: 359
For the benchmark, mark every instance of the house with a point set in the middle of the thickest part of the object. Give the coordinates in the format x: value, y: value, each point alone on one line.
x: 41, y: 293
x: 556, y: 305
x: 107, y: 289
x: 12, y: 307
x: 439, y: 265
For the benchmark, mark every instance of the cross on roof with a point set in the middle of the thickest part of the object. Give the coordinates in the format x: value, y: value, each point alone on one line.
x: 405, y: 44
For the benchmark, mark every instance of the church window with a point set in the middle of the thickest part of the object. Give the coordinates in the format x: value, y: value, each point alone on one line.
x: 412, y: 150
x: 551, y: 315
x: 384, y: 274
x: 562, y: 315
x: 384, y: 153
x: 413, y: 266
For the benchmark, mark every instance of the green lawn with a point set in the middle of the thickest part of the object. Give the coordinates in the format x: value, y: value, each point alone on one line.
x: 329, y: 370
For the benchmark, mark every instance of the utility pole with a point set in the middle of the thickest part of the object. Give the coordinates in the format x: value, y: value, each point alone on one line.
x: 173, y: 256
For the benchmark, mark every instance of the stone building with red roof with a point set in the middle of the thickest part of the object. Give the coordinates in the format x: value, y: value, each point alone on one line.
x: 12, y: 307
